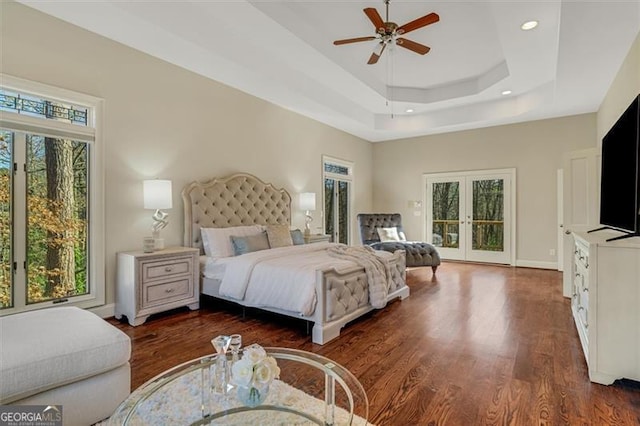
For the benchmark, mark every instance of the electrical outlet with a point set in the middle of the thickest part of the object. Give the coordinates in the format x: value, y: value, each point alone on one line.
x: 552, y: 252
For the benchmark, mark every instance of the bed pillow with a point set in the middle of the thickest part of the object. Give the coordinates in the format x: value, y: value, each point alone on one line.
x: 248, y: 244
x: 388, y: 234
x: 279, y: 236
x: 297, y: 237
x: 217, y: 241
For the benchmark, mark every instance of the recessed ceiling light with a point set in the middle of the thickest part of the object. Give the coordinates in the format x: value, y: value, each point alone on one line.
x: 529, y: 25
x: 506, y: 92
x: 408, y: 110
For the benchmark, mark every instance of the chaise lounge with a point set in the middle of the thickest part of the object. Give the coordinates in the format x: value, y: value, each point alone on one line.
x: 383, y: 231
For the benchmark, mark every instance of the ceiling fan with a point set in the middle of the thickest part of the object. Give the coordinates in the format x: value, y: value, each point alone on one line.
x: 389, y: 32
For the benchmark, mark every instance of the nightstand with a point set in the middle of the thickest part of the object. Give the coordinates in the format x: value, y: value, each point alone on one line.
x: 149, y: 283
x: 316, y: 238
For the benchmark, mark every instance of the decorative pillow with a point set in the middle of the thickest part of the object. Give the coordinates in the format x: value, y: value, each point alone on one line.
x: 248, y: 244
x: 402, y: 236
x: 279, y: 236
x: 217, y: 241
x: 297, y: 237
x: 388, y: 234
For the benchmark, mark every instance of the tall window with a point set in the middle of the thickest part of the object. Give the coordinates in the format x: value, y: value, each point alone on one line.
x: 338, y: 182
x: 51, y: 226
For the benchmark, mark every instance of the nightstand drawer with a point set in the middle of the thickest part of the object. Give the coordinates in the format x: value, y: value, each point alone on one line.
x: 166, y: 269
x: 166, y: 292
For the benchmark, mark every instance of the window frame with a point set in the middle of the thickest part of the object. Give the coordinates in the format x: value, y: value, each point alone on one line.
x: 90, y: 134
x: 349, y: 178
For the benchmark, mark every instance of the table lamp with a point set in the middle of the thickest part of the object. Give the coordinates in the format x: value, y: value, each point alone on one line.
x: 307, y: 203
x: 157, y: 196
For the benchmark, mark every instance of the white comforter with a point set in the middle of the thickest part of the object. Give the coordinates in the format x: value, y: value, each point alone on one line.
x: 282, y: 278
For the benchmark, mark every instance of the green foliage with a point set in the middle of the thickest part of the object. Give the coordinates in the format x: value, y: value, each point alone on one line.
x: 488, y: 214
x: 5, y: 239
x: 47, y: 228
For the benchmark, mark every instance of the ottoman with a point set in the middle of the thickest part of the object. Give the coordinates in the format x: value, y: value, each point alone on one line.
x: 64, y: 356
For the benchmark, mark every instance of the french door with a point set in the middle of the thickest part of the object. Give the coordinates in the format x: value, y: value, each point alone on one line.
x: 469, y: 215
x: 338, y: 181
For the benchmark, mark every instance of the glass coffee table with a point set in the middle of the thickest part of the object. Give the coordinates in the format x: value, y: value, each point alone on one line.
x: 312, y: 390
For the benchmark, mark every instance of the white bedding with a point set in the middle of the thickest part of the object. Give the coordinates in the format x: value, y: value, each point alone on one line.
x: 214, y: 268
x: 282, y: 278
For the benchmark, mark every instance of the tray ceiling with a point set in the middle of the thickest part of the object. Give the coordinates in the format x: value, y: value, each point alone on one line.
x: 283, y: 52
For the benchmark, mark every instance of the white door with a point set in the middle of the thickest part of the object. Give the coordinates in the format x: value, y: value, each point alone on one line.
x: 560, y: 218
x: 580, y: 202
x: 469, y: 215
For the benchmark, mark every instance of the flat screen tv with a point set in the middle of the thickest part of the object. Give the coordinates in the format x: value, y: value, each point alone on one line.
x: 620, y: 175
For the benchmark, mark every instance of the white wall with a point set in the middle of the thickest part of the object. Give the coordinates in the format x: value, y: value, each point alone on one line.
x: 625, y: 87
x: 534, y: 149
x: 163, y: 121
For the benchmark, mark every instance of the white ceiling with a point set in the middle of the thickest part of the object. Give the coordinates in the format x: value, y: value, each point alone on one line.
x: 283, y: 51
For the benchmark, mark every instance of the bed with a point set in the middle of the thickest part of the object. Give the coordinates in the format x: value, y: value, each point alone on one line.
x: 337, y: 281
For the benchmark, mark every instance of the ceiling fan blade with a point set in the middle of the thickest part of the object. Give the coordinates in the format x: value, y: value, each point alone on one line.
x: 418, y: 23
x: 377, y: 53
x: 353, y: 40
x: 412, y: 45
x: 375, y: 17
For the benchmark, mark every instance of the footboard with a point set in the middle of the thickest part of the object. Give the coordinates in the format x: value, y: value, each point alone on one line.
x: 344, y: 296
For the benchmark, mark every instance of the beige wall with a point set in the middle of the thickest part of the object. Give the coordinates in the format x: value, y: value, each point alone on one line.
x: 534, y: 149
x: 625, y: 87
x: 163, y: 121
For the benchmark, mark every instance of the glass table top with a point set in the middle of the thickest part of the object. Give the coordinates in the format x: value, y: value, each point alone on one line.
x: 311, y: 390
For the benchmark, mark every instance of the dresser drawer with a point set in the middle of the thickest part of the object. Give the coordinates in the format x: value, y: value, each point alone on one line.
x: 166, y: 292
x: 166, y: 269
x: 581, y: 255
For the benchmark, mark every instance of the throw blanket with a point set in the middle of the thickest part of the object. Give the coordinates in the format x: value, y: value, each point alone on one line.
x: 377, y: 269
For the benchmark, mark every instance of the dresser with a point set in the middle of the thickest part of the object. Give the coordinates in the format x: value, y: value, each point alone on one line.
x: 148, y: 283
x: 605, y: 303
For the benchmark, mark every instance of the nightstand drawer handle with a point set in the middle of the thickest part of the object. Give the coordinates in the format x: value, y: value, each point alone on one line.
x: 168, y: 269
x: 170, y: 290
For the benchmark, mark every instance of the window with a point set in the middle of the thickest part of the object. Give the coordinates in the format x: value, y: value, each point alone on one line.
x: 51, y: 221
x: 338, y: 181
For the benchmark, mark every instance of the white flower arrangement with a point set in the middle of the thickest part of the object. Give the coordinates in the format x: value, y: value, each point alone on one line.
x: 255, y: 370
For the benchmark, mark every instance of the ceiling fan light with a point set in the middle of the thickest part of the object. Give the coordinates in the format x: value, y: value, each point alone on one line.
x: 378, y: 49
x: 529, y: 25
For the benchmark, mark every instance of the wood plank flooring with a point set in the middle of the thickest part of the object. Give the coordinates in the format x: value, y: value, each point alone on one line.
x: 476, y: 345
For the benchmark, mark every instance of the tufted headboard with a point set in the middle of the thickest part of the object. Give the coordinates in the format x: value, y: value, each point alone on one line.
x: 240, y: 199
x: 368, y: 222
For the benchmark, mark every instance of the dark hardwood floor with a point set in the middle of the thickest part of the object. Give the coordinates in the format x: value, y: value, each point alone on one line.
x: 477, y: 345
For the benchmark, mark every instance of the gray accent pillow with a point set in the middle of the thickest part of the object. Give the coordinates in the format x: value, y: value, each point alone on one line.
x: 297, y: 237
x: 248, y: 244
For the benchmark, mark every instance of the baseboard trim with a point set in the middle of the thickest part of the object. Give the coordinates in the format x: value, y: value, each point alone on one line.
x: 104, y: 311
x: 537, y: 264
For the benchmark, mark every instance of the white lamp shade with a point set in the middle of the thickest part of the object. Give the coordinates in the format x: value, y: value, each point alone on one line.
x: 308, y: 201
x: 157, y: 194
